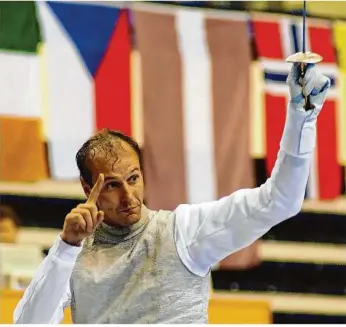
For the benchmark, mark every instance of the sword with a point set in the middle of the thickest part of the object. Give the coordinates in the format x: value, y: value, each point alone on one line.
x: 304, y: 58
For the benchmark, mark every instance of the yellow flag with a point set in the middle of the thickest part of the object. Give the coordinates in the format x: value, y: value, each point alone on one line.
x: 257, y: 107
x: 340, y: 42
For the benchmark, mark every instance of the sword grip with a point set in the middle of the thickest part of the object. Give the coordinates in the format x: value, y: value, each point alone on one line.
x: 308, y: 106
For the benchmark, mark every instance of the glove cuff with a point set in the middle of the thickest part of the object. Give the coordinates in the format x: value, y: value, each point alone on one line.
x: 299, y: 136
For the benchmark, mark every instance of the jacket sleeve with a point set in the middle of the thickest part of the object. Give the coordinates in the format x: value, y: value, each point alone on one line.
x: 48, y: 294
x: 207, y: 233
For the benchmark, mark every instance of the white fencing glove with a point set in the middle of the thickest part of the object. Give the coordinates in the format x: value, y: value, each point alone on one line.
x: 300, y: 128
x: 315, y: 86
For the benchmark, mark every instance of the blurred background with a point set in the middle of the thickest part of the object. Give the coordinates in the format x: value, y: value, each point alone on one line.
x: 201, y: 86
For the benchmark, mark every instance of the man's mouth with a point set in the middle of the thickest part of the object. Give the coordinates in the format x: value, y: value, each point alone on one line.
x: 128, y: 210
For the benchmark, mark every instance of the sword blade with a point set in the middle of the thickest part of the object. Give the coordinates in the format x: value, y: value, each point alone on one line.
x: 304, y: 27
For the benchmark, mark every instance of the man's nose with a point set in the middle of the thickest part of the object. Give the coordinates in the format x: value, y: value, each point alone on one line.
x: 126, y: 195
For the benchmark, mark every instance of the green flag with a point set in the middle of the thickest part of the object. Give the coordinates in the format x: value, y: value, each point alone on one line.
x: 19, y: 28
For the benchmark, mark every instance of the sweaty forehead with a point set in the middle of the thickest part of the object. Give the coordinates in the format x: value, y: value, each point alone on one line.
x: 118, y: 159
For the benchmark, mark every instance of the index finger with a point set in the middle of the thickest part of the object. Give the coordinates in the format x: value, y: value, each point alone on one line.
x: 96, y: 190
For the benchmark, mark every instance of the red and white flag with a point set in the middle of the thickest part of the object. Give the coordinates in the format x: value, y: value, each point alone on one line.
x: 277, y: 37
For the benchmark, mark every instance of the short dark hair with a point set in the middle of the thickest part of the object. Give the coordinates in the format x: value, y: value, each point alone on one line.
x: 103, y: 140
x: 8, y: 212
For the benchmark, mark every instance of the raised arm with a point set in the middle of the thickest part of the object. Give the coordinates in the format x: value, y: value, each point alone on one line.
x: 208, y: 232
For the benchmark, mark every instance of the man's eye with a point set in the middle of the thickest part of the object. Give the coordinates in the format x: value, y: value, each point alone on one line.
x: 112, y: 185
x: 133, y: 178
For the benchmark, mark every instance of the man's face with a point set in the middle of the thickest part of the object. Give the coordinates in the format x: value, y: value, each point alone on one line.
x: 122, y: 195
x: 8, y: 231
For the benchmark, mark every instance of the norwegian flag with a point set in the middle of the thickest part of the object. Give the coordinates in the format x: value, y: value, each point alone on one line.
x: 276, y: 38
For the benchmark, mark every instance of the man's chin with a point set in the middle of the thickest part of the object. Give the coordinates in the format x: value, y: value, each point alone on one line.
x: 131, y: 219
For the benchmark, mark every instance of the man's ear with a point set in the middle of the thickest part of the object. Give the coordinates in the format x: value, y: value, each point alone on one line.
x: 86, y: 187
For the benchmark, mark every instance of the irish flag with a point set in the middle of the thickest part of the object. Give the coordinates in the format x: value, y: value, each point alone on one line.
x: 22, y: 152
x: 86, y: 69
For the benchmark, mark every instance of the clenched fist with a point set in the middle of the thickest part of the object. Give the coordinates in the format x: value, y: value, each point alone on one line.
x: 316, y: 86
x: 82, y: 221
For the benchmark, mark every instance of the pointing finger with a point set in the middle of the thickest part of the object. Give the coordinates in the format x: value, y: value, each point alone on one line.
x: 96, y: 190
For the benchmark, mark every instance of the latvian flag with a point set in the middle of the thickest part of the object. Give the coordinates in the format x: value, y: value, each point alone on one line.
x: 275, y: 38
